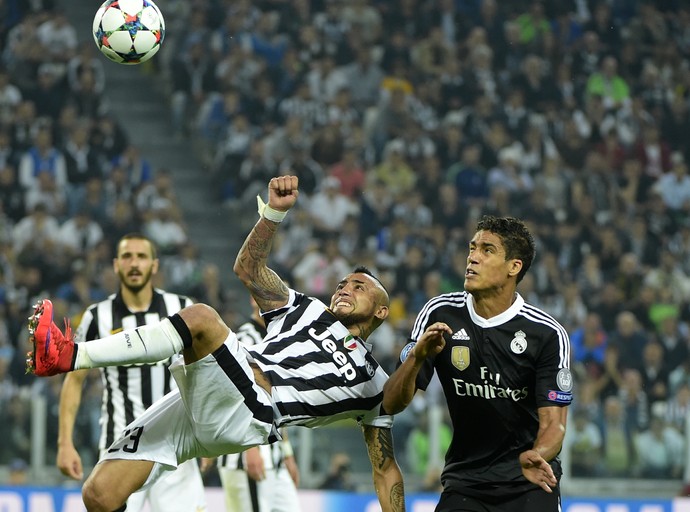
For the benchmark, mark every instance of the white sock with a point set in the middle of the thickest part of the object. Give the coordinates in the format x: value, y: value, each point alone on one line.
x: 146, y: 344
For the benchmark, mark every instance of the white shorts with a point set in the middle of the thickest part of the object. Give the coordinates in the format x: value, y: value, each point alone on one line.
x: 218, y: 408
x: 275, y: 493
x: 181, y: 490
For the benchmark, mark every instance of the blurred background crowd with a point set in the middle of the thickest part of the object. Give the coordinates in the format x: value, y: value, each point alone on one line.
x: 405, y: 120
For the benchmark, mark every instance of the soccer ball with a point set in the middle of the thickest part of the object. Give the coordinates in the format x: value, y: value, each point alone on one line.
x: 128, y: 31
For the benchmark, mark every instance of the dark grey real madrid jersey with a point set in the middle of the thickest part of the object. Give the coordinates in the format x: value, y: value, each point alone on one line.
x: 128, y: 390
x: 319, y: 372
x: 495, y: 374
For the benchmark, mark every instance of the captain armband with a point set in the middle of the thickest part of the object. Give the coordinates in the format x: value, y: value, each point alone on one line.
x: 269, y: 213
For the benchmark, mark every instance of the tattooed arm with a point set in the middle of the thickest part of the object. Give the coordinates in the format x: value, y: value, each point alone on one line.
x: 388, y: 479
x: 267, y: 288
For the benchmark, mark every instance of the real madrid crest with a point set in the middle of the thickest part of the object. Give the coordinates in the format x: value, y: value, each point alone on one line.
x: 519, y: 343
x: 460, y: 357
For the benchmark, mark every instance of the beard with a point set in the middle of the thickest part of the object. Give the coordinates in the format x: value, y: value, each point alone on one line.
x: 351, y: 318
x: 136, y: 288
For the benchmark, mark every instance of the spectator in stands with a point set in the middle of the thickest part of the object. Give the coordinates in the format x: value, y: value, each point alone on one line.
x: 584, y: 441
x: 617, y: 450
x: 339, y: 477
x: 660, y: 450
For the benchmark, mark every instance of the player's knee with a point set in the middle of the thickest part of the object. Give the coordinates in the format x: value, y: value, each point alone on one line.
x: 98, y: 496
x: 204, y: 324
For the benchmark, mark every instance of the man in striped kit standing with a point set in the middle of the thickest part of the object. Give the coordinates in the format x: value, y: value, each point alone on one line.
x: 128, y: 390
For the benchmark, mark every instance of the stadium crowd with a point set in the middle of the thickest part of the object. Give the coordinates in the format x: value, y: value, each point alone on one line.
x: 405, y: 120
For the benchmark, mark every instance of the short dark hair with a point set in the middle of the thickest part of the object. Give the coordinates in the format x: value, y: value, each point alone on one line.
x: 361, y: 269
x: 139, y: 236
x: 518, y: 242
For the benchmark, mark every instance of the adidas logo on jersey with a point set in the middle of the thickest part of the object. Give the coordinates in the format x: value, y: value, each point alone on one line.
x: 461, y: 335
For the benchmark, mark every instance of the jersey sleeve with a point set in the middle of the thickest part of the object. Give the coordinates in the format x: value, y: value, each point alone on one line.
x: 293, y: 299
x: 374, y: 418
x: 554, y: 386
x: 426, y: 372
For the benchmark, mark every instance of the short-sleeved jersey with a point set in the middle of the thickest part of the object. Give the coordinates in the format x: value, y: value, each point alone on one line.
x: 128, y: 390
x: 319, y: 372
x: 495, y: 374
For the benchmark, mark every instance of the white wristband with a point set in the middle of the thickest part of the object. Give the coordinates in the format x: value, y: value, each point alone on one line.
x: 269, y: 213
x: 287, y: 449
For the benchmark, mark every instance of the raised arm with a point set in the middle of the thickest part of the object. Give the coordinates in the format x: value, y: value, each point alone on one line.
x: 388, y: 480
x: 401, y: 386
x: 267, y: 288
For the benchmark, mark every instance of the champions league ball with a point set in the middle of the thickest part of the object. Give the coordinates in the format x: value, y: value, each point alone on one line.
x: 128, y: 31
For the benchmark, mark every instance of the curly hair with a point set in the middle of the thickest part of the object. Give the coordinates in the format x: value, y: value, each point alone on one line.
x: 517, y: 241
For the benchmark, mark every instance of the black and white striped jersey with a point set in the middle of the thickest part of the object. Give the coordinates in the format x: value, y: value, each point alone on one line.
x: 128, y: 390
x: 252, y: 333
x: 320, y: 373
x: 495, y: 374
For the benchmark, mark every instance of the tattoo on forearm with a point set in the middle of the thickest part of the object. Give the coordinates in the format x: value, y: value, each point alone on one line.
x: 380, y: 443
x: 266, y: 285
x: 260, y: 241
x: 398, y: 497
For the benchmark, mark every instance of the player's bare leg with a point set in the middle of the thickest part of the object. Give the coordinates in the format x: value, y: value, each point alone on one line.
x: 112, y: 481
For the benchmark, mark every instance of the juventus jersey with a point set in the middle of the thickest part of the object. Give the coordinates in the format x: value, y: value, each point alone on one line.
x: 128, y: 390
x: 495, y: 374
x: 319, y: 372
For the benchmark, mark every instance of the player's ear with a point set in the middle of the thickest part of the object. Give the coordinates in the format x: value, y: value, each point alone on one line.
x: 154, y: 267
x: 382, y: 312
x: 515, y: 267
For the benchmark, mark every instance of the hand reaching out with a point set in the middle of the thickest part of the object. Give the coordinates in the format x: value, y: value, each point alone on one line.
x: 431, y: 342
x: 537, y: 470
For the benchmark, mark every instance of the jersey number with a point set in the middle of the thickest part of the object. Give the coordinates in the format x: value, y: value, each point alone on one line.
x: 134, y: 434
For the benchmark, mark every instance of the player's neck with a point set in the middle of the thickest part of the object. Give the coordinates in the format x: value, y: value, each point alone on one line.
x: 137, y: 301
x: 493, y: 304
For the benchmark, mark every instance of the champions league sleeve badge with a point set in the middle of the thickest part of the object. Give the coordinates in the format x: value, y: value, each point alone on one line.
x: 406, y: 351
x: 564, y: 381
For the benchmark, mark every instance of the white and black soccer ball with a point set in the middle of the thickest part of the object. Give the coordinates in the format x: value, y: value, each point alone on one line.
x: 128, y: 31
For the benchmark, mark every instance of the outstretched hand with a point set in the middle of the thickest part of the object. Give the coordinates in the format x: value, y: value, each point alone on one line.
x: 431, y: 342
x: 283, y: 192
x: 537, y: 470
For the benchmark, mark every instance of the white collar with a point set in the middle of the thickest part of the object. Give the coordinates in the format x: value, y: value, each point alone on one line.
x: 499, y: 319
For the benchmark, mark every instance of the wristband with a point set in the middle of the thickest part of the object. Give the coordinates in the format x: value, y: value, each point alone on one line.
x: 287, y: 449
x: 269, y: 213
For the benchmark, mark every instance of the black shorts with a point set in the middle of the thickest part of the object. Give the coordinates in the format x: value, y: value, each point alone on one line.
x: 532, y: 501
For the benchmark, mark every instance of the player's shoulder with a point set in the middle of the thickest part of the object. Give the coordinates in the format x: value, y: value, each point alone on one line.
x: 107, y: 302
x: 446, y: 300
x: 541, y: 319
x: 184, y: 300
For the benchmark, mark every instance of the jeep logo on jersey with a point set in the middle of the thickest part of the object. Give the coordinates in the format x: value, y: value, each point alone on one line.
x: 460, y: 357
x: 519, y: 343
x: 339, y: 358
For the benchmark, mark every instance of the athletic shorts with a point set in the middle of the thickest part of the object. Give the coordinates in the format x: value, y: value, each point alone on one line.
x: 532, y: 501
x: 218, y: 408
x: 181, y: 490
